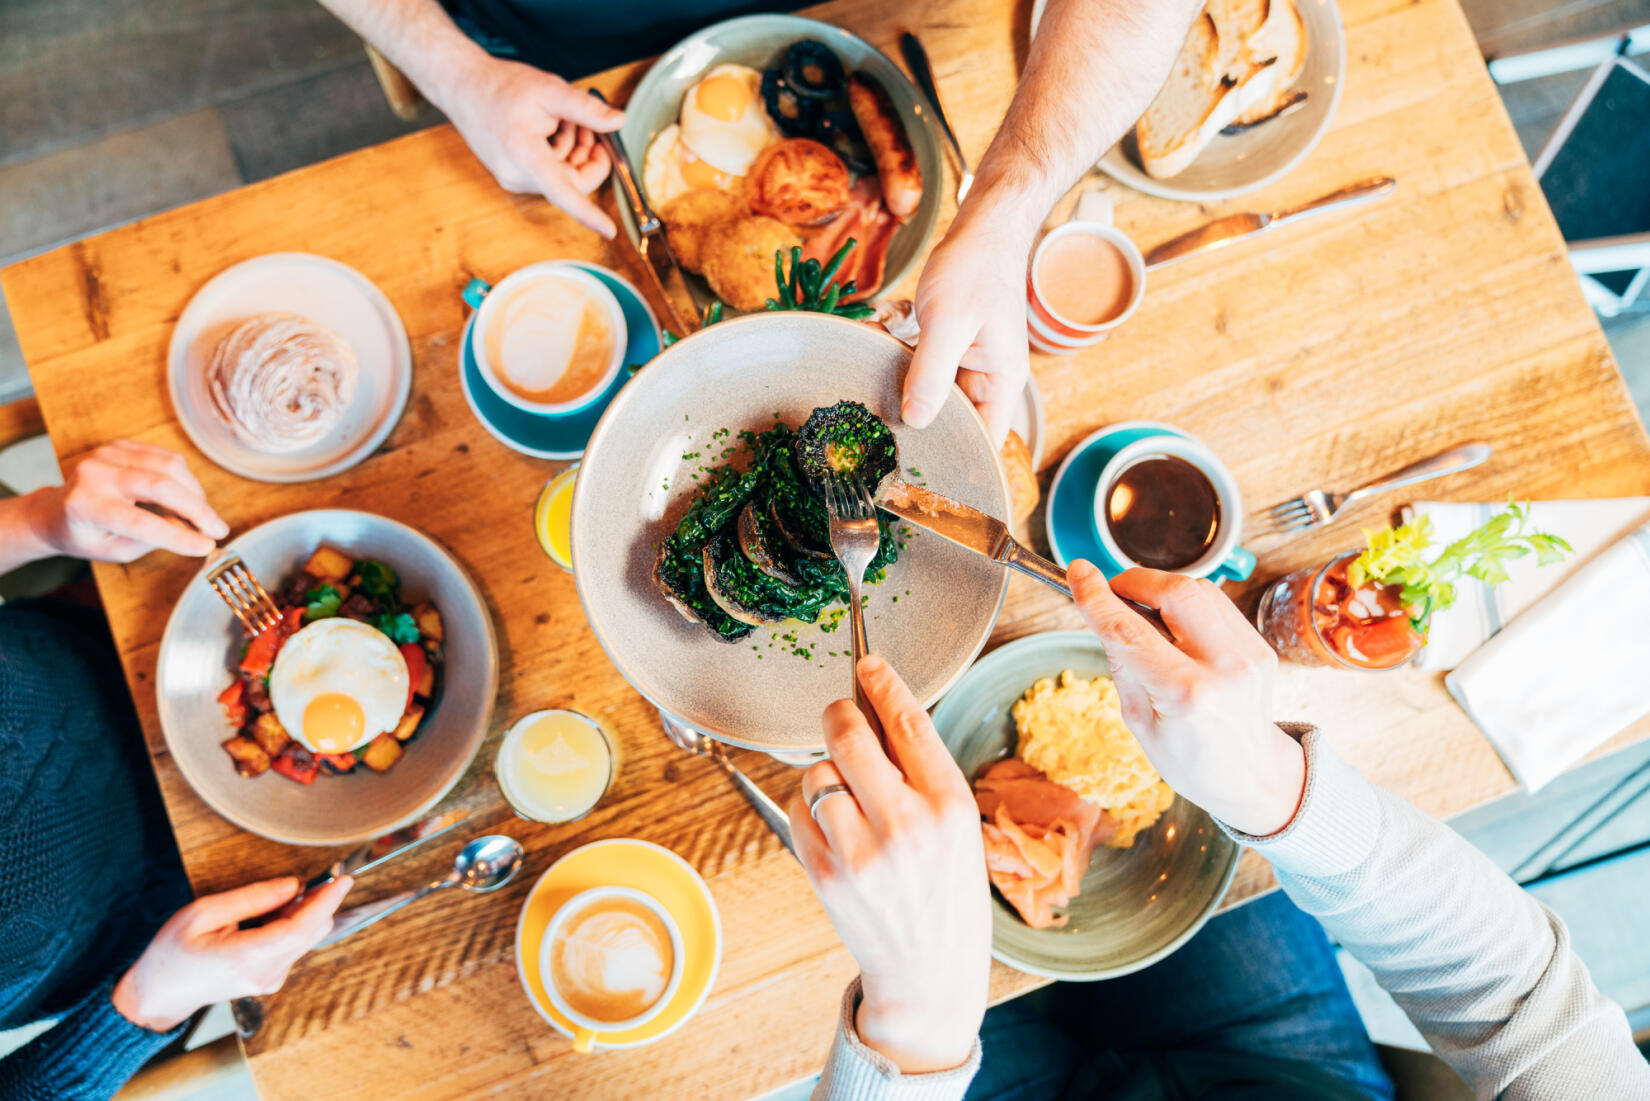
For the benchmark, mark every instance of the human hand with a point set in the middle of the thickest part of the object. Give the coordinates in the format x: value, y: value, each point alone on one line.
x: 95, y: 513
x: 970, y: 307
x: 202, y: 956
x: 900, y: 869
x: 1201, y: 707
x: 535, y: 132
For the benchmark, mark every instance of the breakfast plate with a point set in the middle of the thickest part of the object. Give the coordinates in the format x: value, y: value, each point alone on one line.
x: 644, y: 866
x: 1236, y: 164
x: 758, y: 41
x: 1137, y: 905
x: 559, y: 437
x: 202, y: 644
x: 930, y: 617
x: 327, y: 293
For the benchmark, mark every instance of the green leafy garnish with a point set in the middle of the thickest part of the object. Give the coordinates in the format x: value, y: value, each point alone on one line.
x: 1395, y: 556
x: 321, y: 603
x: 378, y: 580
x: 400, y: 628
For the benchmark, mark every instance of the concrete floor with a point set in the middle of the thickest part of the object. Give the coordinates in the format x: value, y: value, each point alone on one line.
x: 111, y: 110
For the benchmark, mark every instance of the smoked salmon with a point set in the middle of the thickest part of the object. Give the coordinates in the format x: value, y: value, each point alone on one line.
x: 1039, y: 836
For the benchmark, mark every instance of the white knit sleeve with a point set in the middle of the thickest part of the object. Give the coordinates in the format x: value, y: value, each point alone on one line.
x: 1482, y: 969
x: 854, y: 1072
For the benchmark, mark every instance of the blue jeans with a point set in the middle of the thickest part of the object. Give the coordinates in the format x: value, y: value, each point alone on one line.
x: 1254, y: 1006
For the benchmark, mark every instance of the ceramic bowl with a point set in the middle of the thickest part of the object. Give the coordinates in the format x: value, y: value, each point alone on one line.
x: 1137, y: 904
x: 1235, y: 164
x: 930, y: 617
x: 759, y: 41
x: 203, y: 641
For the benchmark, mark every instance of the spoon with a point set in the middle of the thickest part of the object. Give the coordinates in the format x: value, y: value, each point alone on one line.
x: 485, y: 864
x: 703, y: 745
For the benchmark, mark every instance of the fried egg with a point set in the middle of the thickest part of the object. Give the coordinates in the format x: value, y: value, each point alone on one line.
x: 670, y: 169
x: 723, y: 120
x: 337, y: 684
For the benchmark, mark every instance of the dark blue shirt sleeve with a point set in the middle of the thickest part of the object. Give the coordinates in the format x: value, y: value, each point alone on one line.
x: 87, y: 1056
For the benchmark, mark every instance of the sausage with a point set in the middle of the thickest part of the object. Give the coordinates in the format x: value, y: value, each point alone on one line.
x: 890, y: 147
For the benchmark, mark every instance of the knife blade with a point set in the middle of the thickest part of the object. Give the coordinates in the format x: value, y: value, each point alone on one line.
x: 663, y: 282
x: 392, y: 844
x: 984, y: 535
x: 1236, y: 227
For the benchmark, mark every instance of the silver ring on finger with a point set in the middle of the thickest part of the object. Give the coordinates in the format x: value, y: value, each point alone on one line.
x: 823, y: 794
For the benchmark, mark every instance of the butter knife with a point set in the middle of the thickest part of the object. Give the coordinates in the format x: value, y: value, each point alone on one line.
x: 1235, y: 227
x: 916, y: 57
x: 248, y: 1013
x: 662, y: 275
x: 984, y: 535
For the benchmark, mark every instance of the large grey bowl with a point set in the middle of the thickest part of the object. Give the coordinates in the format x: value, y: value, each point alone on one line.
x: 759, y: 41
x: 203, y: 640
x: 929, y: 618
x: 1236, y: 164
x: 1137, y: 904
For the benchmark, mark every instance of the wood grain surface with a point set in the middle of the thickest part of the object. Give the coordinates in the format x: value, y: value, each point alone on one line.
x: 1330, y: 351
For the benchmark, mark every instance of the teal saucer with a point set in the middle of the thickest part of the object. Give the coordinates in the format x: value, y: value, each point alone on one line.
x: 1071, y: 531
x: 560, y: 436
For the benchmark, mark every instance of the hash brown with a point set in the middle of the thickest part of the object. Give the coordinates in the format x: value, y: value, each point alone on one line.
x: 739, y: 259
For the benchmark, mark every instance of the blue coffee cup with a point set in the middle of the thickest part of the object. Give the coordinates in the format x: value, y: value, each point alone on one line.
x: 1223, y: 560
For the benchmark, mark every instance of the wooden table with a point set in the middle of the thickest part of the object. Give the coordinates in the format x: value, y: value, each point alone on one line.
x: 1336, y: 349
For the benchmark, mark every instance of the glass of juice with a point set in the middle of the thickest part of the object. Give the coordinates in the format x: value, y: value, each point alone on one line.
x: 555, y: 766
x: 553, y: 517
x: 1314, y: 616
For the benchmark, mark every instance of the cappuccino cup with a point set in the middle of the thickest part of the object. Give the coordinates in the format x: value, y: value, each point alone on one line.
x: 611, y: 961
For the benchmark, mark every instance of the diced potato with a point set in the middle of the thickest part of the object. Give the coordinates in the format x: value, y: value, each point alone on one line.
x: 426, y: 681
x: 382, y: 752
x: 250, y: 759
x: 408, y: 726
x: 429, y: 621
x: 329, y: 564
x: 270, y: 735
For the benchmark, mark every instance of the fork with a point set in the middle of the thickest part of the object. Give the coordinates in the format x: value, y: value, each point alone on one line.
x: 231, y: 579
x: 855, y: 536
x: 1317, y: 506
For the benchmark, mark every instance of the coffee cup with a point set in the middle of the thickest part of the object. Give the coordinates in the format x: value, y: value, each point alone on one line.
x: 602, y: 962
x: 1167, y: 502
x: 1086, y: 278
x: 548, y: 338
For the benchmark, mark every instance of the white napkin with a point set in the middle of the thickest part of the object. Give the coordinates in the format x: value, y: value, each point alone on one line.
x: 1480, y: 611
x: 1571, y: 671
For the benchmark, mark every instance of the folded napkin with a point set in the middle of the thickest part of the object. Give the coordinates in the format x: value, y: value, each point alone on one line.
x: 1571, y: 671
x: 1479, y: 610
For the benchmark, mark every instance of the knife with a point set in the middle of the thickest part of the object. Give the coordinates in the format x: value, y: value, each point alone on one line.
x: 1235, y: 227
x: 984, y: 535
x: 661, y: 272
x: 248, y: 1013
x: 916, y: 58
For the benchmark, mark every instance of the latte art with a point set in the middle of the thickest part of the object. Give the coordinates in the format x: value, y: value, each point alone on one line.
x: 613, y: 960
x: 282, y: 382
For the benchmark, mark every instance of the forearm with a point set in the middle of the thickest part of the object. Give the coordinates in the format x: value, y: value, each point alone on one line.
x: 1484, y: 971
x: 22, y: 531
x: 854, y: 1071
x: 419, y: 38
x: 1093, y: 69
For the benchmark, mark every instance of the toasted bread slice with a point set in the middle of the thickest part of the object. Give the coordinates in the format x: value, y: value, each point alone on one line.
x: 1192, y: 106
x: 1282, y: 41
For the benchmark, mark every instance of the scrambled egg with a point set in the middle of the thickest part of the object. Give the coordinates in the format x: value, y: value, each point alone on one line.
x: 1073, y: 732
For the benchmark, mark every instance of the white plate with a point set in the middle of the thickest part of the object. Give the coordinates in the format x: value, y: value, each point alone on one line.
x: 1236, y: 164
x: 327, y: 293
x: 1028, y: 420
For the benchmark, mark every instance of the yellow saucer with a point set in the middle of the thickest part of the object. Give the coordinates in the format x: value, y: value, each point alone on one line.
x: 625, y: 862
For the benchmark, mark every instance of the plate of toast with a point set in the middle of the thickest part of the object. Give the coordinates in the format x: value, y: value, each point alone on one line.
x: 1250, y: 94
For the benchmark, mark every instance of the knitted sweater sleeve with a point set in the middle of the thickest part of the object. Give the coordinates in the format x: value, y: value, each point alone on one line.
x: 1484, y: 970
x: 87, y: 1056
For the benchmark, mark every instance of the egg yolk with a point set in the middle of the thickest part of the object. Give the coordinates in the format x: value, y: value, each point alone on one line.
x: 333, y: 722
x: 724, y: 98
x: 698, y: 174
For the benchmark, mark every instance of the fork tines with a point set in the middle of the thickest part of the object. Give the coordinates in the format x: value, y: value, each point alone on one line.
x: 251, y: 603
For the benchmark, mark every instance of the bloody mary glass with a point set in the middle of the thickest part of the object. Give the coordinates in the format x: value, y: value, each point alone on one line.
x: 1314, y: 616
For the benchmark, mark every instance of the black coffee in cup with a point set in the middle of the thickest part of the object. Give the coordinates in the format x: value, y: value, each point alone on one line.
x: 1163, y: 512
